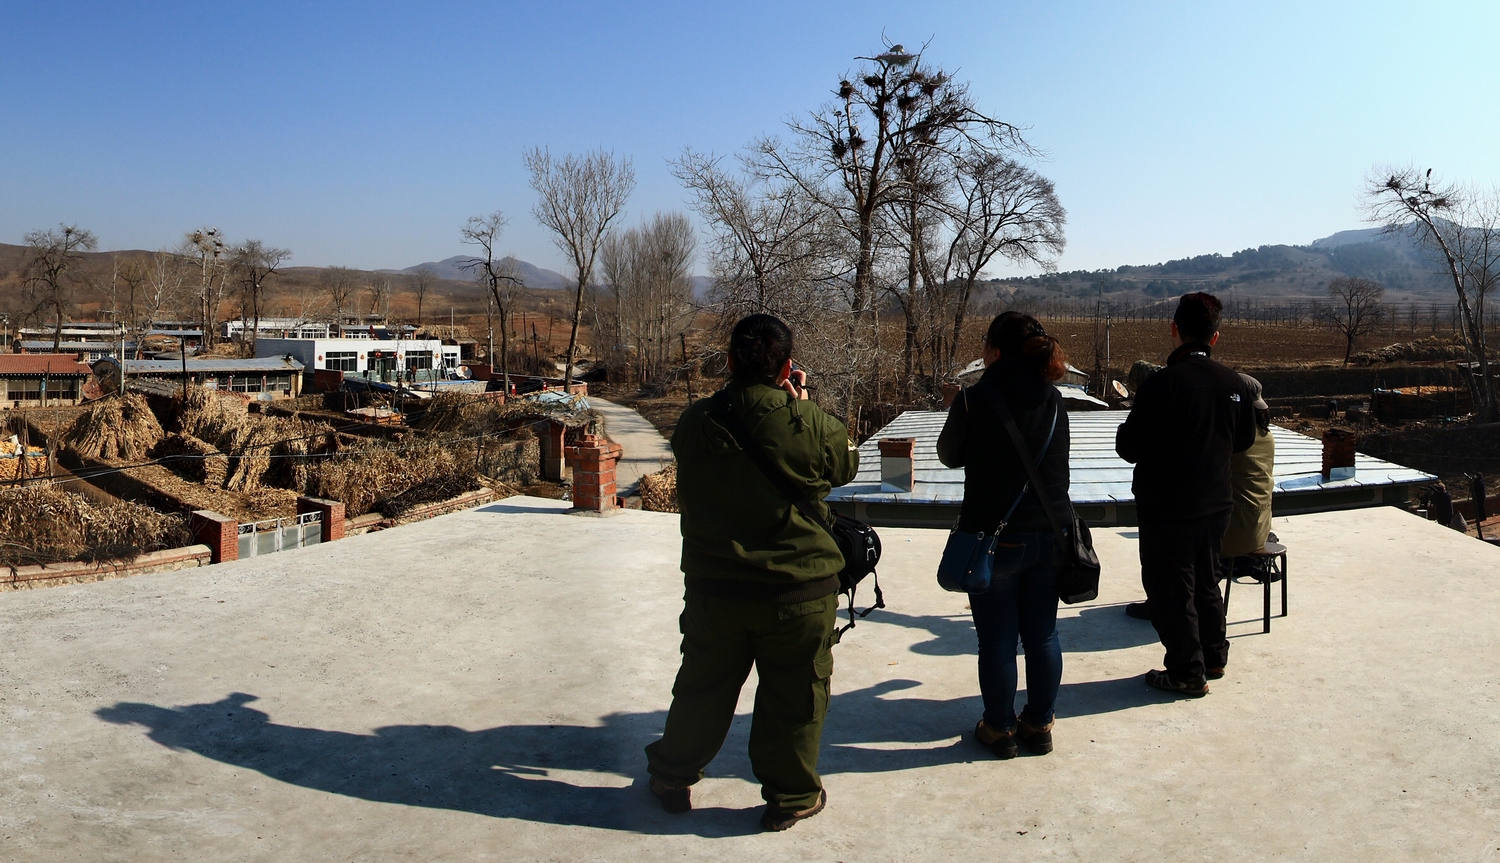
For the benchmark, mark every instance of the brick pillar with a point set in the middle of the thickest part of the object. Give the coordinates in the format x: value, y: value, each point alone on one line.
x: 219, y: 532
x: 550, y: 440
x: 897, y: 463
x: 593, y: 462
x: 333, y: 515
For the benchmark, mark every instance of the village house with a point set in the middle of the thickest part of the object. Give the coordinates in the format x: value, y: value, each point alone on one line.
x: 41, y: 380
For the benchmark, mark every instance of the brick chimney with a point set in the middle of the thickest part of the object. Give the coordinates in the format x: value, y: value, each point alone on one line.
x: 897, y: 463
x: 1338, y: 454
x: 593, y: 462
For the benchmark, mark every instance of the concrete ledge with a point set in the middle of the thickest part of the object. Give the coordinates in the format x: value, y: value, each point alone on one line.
x: 82, y: 572
x: 373, y: 521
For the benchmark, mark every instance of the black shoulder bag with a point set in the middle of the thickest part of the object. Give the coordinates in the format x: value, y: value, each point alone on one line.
x: 857, y: 541
x: 1078, y: 571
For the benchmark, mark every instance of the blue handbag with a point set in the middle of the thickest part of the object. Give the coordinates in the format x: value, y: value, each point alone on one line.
x: 968, y: 564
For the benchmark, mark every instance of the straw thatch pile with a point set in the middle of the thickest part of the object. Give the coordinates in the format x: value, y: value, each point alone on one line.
x: 380, y: 471
x: 42, y: 524
x: 659, y: 490
x: 242, y: 452
x: 193, y: 459
x: 116, y: 428
x: 10, y: 460
x: 445, y: 487
x: 209, y: 415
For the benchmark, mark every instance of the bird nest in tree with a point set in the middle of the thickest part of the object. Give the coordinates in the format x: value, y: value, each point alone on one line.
x: 42, y: 524
x: 117, y: 428
x: 659, y: 490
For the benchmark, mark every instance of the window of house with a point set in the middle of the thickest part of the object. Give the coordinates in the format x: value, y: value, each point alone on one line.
x: 343, y: 361
x: 418, y: 360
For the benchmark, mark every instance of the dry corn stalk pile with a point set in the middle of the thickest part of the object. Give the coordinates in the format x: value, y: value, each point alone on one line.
x: 116, y: 428
x: 260, y: 450
x: 42, y: 524
x: 10, y: 460
x: 659, y: 490
x: 380, y: 471
x: 209, y: 415
x: 193, y: 459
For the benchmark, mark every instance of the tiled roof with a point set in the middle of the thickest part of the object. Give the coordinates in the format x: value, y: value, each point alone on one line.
x: 62, y: 365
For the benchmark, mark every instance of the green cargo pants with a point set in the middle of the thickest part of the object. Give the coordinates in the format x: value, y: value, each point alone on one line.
x: 790, y: 646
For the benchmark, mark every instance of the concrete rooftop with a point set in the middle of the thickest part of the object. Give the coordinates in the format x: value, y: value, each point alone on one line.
x: 479, y: 687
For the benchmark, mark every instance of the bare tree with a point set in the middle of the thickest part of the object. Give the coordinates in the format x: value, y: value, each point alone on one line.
x: 1462, y: 228
x: 340, y: 283
x: 254, y: 262
x: 52, y: 272
x: 765, y: 249
x: 1000, y: 208
x: 498, y: 276
x: 379, y: 290
x: 651, y: 299
x: 579, y: 197
x: 206, y: 247
x: 421, y: 283
x: 1354, y: 309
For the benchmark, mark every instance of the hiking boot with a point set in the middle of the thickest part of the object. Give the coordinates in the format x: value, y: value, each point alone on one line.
x: 1214, y: 673
x: 1138, y: 610
x: 1164, y: 681
x: 1037, y: 738
x: 777, y: 819
x: 674, y: 800
x: 1002, y: 743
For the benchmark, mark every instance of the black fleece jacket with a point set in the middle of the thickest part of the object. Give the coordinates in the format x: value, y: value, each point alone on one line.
x: 1187, y: 420
x: 974, y: 438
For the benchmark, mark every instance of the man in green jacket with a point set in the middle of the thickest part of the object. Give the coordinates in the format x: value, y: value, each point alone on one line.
x: 762, y: 581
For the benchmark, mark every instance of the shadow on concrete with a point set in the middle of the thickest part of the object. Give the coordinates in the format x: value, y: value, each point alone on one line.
x: 504, y: 772
x: 531, y: 772
x: 527, y: 508
x: 1091, y: 631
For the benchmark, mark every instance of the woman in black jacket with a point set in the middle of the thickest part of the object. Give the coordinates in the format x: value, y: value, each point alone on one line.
x: 1021, y: 363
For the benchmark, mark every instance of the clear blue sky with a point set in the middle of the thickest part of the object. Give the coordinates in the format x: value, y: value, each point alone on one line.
x: 365, y: 133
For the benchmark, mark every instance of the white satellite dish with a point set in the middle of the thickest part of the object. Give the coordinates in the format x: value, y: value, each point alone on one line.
x: 1120, y: 388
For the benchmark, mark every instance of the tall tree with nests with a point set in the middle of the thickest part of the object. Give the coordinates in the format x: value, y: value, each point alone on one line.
x: 1461, y: 227
x: 578, y: 199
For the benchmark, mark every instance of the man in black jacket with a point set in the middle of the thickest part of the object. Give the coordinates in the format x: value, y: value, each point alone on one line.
x: 1187, y: 420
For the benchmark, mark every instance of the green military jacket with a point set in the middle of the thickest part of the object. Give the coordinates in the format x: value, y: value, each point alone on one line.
x: 736, y: 526
x: 1250, y: 475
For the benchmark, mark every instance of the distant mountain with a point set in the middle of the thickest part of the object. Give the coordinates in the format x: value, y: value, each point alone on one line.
x: 1396, y: 261
x: 532, y: 275
x: 1348, y: 238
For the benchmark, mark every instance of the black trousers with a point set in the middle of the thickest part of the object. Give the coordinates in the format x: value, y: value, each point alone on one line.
x: 1180, y: 572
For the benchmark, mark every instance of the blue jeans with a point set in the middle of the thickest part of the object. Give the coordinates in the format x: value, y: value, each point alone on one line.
x: 1021, y: 603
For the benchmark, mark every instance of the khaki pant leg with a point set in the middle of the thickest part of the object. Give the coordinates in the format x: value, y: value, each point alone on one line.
x: 716, y: 659
x: 793, y: 660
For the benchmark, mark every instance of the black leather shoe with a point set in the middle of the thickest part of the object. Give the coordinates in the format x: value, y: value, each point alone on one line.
x: 674, y: 800
x: 1138, y: 610
x: 1164, y: 681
